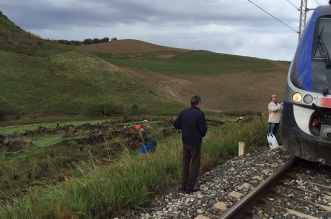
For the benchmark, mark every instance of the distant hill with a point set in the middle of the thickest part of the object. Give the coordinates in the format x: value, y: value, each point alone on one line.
x: 40, y: 76
x: 130, y: 48
x: 14, y: 39
x: 225, y: 82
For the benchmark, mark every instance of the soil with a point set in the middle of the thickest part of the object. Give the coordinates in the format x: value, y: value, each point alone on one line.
x: 134, y: 135
x: 235, y: 92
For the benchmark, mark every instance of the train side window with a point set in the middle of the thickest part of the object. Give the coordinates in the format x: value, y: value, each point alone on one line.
x: 322, y: 41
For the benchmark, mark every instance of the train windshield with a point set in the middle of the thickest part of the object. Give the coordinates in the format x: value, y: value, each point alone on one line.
x: 323, y: 41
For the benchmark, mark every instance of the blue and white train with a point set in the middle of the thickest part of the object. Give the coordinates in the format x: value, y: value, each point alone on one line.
x: 306, y: 120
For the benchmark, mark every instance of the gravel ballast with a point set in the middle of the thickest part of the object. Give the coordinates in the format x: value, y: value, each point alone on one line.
x: 220, y: 188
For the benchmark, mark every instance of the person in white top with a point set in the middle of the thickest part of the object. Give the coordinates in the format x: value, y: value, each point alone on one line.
x: 275, y: 113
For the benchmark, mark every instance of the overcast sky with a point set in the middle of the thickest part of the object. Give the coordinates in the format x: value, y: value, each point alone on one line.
x: 224, y: 26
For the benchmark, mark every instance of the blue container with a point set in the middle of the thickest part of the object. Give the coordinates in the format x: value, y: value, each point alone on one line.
x: 148, y: 147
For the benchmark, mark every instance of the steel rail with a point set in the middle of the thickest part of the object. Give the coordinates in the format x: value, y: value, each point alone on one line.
x: 239, y: 209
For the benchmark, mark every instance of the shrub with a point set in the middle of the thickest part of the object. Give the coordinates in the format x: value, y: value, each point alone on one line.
x: 96, y: 40
x: 88, y: 41
x: 105, y: 39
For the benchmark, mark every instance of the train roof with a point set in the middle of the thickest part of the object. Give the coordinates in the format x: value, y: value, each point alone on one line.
x: 324, y: 10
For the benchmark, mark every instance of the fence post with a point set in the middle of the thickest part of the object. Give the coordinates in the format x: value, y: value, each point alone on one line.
x: 241, y: 150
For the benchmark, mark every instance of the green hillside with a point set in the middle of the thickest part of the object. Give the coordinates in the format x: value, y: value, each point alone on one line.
x: 67, y: 83
x: 196, y: 63
x: 44, y: 77
x: 40, y: 76
x: 14, y: 39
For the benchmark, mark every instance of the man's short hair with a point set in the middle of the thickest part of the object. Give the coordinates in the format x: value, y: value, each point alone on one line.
x: 195, y: 100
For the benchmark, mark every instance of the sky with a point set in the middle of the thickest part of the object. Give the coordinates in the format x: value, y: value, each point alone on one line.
x: 264, y: 29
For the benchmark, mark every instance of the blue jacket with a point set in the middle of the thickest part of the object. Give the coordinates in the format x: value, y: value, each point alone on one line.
x: 193, y: 124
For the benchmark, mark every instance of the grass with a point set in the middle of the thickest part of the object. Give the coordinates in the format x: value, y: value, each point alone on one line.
x: 43, y: 78
x: 196, y: 63
x: 71, y: 83
x: 40, y: 76
x: 14, y: 39
x: 30, y: 127
x: 45, y: 141
x: 129, y: 183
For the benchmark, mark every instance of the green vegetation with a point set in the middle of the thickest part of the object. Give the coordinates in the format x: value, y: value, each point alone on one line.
x: 48, y: 78
x: 45, y: 77
x: 72, y: 83
x: 30, y: 127
x: 14, y: 39
x: 195, y: 63
x: 58, y: 173
x: 101, y: 190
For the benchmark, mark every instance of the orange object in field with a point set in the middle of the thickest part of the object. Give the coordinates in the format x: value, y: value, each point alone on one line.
x: 137, y: 127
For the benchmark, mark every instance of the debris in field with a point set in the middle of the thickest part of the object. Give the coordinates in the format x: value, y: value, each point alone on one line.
x: 244, y: 119
x: 139, y: 127
x: 92, y: 134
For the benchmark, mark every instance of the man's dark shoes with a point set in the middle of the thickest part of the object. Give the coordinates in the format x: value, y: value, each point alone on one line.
x: 188, y: 191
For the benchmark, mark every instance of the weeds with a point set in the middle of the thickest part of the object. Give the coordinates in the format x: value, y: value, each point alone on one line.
x: 129, y: 182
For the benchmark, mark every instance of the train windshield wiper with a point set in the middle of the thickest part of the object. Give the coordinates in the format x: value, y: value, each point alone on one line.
x: 323, y: 50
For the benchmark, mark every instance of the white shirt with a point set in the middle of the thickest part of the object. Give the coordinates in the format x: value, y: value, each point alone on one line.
x: 275, y: 112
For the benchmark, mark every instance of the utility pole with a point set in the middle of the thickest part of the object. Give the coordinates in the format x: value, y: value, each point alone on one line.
x: 303, y: 16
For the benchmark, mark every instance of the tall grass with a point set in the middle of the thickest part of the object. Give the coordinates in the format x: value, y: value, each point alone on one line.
x: 131, y: 181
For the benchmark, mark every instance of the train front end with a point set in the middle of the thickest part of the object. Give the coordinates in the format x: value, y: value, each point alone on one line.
x: 306, y: 121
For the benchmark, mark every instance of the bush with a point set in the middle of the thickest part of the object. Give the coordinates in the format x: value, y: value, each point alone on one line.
x: 87, y: 41
x: 105, y: 39
x: 96, y: 40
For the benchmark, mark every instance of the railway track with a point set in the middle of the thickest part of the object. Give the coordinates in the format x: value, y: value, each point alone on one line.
x: 299, y: 189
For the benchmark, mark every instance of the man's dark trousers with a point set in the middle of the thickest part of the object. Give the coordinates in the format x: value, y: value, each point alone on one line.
x: 191, y: 165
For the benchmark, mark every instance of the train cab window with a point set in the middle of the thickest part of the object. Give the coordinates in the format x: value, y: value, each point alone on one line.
x: 322, y: 42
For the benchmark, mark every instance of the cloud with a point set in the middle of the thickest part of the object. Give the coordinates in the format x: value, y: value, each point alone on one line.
x: 233, y: 27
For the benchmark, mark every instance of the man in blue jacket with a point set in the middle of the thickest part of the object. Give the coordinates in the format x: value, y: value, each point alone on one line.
x: 192, y: 122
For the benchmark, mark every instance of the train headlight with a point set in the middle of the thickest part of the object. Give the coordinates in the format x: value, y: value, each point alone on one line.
x: 296, y: 97
x: 308, y: 98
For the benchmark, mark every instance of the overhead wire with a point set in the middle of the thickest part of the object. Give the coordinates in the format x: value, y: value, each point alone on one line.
x: 317, y: 2
x: 293, y: 5
x: 273, y: 16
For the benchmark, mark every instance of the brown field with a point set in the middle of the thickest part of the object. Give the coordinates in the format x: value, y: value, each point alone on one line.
x: 226, y: 92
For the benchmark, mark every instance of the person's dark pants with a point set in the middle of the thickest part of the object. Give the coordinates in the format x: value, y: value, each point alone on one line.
x: 273, y: 128
x: 191, y: 165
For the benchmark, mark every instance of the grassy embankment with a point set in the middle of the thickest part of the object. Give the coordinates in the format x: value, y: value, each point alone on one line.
x: 72, y: 83
x: 132, y: 179
x: 43, y: 77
